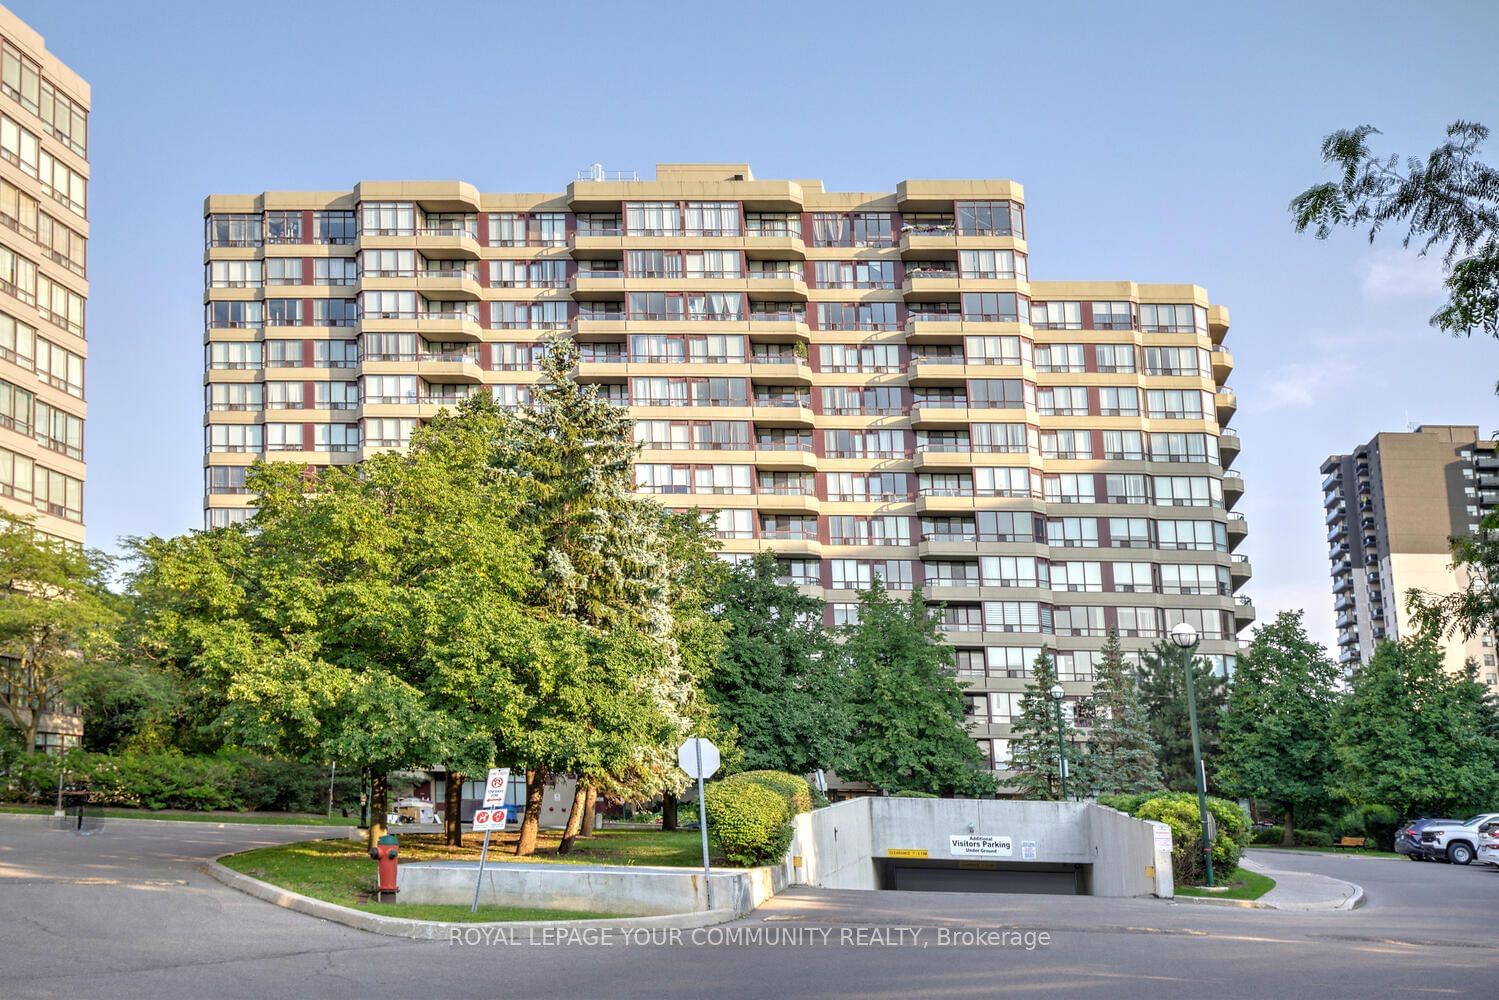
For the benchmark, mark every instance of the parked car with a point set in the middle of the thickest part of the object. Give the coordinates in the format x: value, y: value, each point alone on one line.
x: 1408, y: 837
x: 1488, y: 843
x: 1454, y: 842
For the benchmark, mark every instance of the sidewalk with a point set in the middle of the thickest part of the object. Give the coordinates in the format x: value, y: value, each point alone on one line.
x: 1305, y: 891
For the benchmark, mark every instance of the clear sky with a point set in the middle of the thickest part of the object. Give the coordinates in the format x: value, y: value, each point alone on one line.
x: 1156, y: 142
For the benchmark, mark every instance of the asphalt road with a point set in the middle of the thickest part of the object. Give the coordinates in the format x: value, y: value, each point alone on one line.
x: 125, y: 914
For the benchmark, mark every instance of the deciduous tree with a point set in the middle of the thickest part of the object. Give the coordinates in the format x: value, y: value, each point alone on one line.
x: 1279, y: 729
x: 909, y: 731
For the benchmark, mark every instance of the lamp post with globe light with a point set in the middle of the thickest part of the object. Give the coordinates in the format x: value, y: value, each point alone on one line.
x: 1185, y: 637
x: 1056, y: 696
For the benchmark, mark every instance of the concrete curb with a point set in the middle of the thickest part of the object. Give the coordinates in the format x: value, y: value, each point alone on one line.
x: 333, y: 832
x: 436, y: 930
x: 1245, y: 904
x: 1350, y: 896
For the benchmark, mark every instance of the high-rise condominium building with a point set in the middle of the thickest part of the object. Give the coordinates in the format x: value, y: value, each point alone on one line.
x: 1392, y: 508
x: 43, y: 286
x: 869, y: 384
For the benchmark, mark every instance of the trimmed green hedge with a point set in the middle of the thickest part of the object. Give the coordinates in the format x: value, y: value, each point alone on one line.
x: 228, y: 780
x: 1272, y: 836
x: 1179, y: 810
x: 749, y: 822
x: 749, y: 814
x: 795, y: 789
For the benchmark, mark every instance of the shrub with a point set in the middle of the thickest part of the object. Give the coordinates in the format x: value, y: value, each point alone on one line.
x: 1127, y: 804
x: 749, y: 822
x: 916, y: 795
x: 1269, y: 835
x: 172, y: 780
x: 796, y: 790
x: 1377, y: 823
x: 1313, y: 838
x: 1179, y: 810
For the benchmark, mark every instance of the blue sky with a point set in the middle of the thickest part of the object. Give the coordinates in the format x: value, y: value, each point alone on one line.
x: 1156, y: 142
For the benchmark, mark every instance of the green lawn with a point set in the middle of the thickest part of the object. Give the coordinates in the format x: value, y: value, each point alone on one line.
x: 191, y: 816
x: 340, y: 871
x: 1365, y: 852
x: 1241, y: 884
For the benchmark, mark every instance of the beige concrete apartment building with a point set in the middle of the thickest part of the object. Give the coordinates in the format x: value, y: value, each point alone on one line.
x: 867, y: 383
x: 43, y: 287
x: 1392, y: 507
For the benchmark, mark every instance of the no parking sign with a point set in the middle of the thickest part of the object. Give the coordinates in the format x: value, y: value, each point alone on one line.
x: 489, y: 819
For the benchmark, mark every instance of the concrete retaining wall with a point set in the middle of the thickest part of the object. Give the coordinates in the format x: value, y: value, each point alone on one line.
x: 632, y: 890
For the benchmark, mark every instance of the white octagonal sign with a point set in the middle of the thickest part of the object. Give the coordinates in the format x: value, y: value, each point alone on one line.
x: 698, y: 748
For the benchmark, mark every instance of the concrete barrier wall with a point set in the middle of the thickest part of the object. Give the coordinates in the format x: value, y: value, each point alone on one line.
x: 627, y: 890
x: 1124, y: 855
x: 836, y: 847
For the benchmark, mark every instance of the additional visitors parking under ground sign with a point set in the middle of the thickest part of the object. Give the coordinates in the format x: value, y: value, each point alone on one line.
x: 972, y: 845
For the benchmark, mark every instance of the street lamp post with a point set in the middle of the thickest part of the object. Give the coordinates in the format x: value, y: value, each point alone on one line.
x: 1056, y: 696
x: 1185, y: 637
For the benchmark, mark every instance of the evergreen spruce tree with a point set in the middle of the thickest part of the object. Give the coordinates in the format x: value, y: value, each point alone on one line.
x: 1163, y: 689
x: 1121, y: 753
x: 1035, y: 771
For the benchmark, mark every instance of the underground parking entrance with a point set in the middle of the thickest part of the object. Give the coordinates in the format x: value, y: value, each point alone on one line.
x: 980, y: 846
x: 914, y: 875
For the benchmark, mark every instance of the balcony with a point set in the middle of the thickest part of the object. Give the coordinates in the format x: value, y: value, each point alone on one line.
x: 449, y: 326
x: 930, y: 285
x: 1237, y: 529
x: 1228, y: 447
x: 777, y: 285
x: 1348, y: 657
x: 1342, y: 582
x: 1239, y: 569
x: 770, y: 369
x: 1233, y: 489
x: 1343, y: 603
x: 801, y: 459
x: 1217, y: 323
x: 1337, y: 530
x: 1333, y: 479
x: 1332, y: 497
x: 786, y: 500
x: 943, y: 457
x: 939, y: 414
x: 1223, y: 366
x: 442, y: 368
x: 442, y: 242
x: 1227, y: 405
x: 449, y: 285
x: 1347, y: 620
x: 774, y: 243
x: 772, y: 412
x: 937, y: 371
x: 1243, y: 611
x: 598, y: 284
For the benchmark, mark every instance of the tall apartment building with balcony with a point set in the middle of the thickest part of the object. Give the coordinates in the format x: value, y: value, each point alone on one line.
x: 43, y: 286
x: 1392, y: 507
x: 865, y: 383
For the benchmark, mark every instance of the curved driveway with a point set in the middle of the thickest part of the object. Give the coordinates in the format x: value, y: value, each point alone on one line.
x: 126, y: 914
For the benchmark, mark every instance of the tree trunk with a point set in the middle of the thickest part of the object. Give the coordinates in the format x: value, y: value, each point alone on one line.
x: 588, y: 812
x: 535, y: 787
x: 574, y: 819
x: 668, y: 811
x: 452, y: 814
x: 1288, y: 839
x: 378, y: 807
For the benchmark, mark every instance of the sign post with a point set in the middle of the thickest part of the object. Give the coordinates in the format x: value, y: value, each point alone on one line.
x: 700, y: 759
x: 494, y: 795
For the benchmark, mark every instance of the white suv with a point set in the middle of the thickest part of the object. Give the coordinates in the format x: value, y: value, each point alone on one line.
x: 1488, y: 842
x: 1456, y: 842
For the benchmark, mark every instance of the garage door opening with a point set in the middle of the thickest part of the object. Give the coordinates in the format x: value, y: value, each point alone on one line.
x: 909, y: 875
